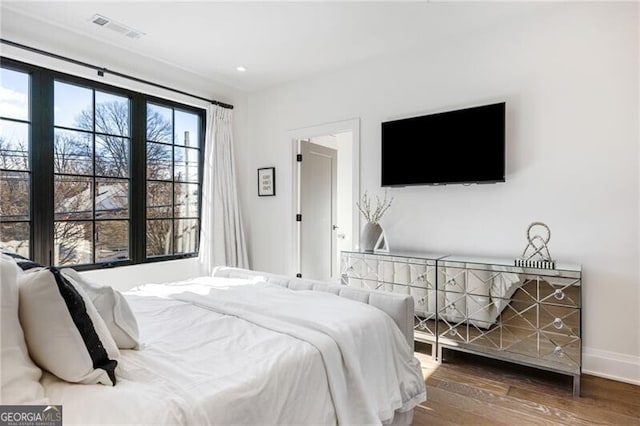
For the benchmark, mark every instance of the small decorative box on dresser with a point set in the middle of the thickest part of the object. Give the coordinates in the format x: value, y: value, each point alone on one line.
x: 484, y: 306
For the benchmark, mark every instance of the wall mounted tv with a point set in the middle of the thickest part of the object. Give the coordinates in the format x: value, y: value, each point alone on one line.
x: 461, y: 146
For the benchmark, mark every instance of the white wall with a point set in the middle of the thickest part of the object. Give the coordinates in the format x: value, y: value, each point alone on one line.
x: 125, y: 277
x: 569, y: 75
x: 33, y: 32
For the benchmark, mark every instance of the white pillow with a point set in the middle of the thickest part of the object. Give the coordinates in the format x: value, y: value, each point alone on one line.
x: 112, y: 307
x: 63, y: 330
x: 19, y: 376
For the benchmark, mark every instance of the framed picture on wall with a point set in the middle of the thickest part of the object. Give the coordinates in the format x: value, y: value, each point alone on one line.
x: 267, y: 182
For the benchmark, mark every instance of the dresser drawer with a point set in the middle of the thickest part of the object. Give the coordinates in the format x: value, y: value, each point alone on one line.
x: 559, y: 320
x: 550, y: 290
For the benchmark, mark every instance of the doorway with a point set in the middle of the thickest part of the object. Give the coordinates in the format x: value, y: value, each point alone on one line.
x: 326, y: 188
x: 318, y: 214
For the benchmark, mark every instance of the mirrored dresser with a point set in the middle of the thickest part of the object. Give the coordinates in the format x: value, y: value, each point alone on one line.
x: 489, y: 307
x: 405, y: 273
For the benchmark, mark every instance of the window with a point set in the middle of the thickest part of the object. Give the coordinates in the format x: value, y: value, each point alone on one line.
x: 173, y: 186
x: 91, y: 175
x: 15, y: 167
x: 115, y: 175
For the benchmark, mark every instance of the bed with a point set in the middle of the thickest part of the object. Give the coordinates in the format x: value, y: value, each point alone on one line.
x: 244, y: 347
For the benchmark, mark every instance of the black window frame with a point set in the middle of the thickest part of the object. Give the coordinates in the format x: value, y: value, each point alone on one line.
x: 173, y: 217
x: 94, y: 177
x: 41, y: 150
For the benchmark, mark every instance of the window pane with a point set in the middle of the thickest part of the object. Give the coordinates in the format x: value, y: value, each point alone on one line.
x: 187, y: 129
x: 186, y: 235
x: 186, y: 200
x: 73, y: 243
x: 73, y: 152
x: 14, y: 92
x: 112, y: 240
x: 14, y: 145
x: 15, y: 237
x: 159, y: 161
x: 73, y: 106
x: 186, y: 164
x: 112, y: 156
x: 159, y: 199
x: 14, y: 196
x: 112, y: 198
x: 159, y: 124
x: 159, y: 237
x: 112, y: 114
x: 73, y: 197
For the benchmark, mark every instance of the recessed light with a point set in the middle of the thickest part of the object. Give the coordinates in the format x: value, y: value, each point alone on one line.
x: 241, y: 69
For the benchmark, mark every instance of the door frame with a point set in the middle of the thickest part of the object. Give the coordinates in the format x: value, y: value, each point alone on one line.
x: 306, y: 133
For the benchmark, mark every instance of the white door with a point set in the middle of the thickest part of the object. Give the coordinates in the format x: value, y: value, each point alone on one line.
x: 318, y: 209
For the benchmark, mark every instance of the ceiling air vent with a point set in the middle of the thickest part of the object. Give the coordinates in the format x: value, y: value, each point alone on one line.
x: 99, y: 20
x: 116, y: 26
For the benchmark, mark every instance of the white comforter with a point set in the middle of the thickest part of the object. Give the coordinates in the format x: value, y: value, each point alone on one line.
x: 305, y: 363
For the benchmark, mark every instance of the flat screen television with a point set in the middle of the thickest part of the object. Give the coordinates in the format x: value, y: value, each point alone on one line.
x: 461, y: 146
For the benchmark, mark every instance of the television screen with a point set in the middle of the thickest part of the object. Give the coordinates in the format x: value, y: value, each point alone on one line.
x: 462, y: 146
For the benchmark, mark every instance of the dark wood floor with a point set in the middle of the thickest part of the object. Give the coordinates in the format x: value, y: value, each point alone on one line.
x: 472, y: 390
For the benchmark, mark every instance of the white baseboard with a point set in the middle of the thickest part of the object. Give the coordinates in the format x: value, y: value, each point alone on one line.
x: 611, y: 365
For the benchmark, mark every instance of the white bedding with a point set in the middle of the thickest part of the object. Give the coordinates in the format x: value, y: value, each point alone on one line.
x: 199, y: 366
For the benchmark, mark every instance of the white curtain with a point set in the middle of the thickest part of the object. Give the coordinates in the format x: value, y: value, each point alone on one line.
x: 221, y: 235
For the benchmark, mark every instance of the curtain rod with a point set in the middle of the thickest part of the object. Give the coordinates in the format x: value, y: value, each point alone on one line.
x: 101, y: 71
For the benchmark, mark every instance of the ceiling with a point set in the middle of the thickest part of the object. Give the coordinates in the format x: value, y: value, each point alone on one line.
x: 277, y: 42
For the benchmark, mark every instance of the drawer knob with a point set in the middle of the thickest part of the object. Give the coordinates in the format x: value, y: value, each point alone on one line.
x: 558, y: 351
x: 452, y: 332
x: 421, y: 301
x: 558, y: 294
x: 557, y: 323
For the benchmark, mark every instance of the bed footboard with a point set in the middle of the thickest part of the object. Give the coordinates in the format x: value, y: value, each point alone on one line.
x: 398, y: 306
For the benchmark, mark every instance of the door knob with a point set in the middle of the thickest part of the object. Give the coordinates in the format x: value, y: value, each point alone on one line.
x: 334, y: 227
